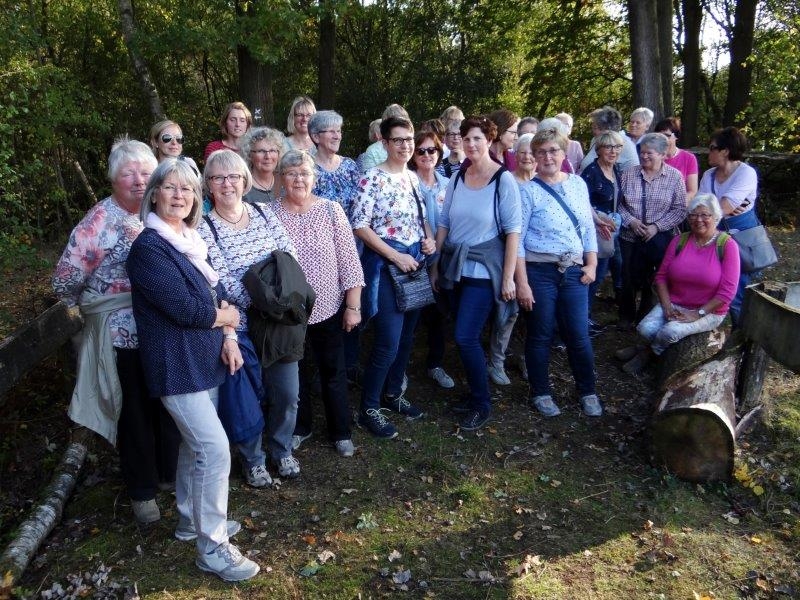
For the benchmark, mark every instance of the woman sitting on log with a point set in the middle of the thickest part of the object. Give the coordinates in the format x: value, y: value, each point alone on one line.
x: 695, y: 284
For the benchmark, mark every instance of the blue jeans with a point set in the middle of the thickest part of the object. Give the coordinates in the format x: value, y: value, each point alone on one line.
x: 603, y: 265
x: 475, y: 301
x: 393, y: 340
x: 563, y: 298
x: 741, y: 222
x: 282, y: 384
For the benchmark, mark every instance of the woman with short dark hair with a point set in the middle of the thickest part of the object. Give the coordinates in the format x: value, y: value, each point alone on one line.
x: 684, y: 161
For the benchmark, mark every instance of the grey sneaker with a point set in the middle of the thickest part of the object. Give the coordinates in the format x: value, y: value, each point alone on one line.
x: 345, y: 448
x: 297, y: 440
x: 591, y: 405
x: 439, y: 375
x: 185, y: 531
x: 228, y: 563
x: 258, y: 476
x: 289, y: 467
x: 498, y: 375
x: 145, y: 511
x: 546, y: 406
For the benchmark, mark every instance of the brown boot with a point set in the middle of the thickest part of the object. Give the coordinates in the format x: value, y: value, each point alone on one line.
x: 638, y: 363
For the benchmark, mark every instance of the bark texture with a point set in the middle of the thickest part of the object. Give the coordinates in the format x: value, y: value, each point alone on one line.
x: 645, y: 60
x: 128, y: 24
x: 741, y: 69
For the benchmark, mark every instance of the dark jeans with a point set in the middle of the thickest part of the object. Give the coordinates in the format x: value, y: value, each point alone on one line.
x: 640, y: 262
x: 560, y: 297
x: 326, y: 341
x: 393, y: 334
x: 603, y: 265
x: 474, y: 304
x: 434, y: 322
x: 147, y: 438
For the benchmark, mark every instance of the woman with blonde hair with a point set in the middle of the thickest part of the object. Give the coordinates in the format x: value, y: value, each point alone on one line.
x: 297, y: 125
x: 235, y: 121
x: 166, y: 140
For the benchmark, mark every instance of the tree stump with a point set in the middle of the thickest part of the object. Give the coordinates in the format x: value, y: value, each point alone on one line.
x: 693, y: 428
x: 686, y: 355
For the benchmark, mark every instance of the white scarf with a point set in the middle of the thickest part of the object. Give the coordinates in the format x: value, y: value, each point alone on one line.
x: 189, y: 243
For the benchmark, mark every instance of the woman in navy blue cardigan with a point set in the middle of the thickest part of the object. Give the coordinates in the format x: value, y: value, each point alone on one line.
x: 187, y: 339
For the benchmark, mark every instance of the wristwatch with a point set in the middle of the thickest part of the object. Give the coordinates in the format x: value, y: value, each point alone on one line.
x: 701, y: 312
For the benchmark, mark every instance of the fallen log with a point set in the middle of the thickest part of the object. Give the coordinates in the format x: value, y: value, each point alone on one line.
x: 686, y: 355
x: 693, y: 428
x: 48, y: 512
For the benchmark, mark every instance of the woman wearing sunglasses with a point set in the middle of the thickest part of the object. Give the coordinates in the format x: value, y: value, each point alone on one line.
x: 432, y: 186
x: 166, y: 141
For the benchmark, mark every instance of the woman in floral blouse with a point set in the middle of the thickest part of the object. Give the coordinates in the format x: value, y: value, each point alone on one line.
x: 326, y: 251
x: 110, y: 395
x: 388, y: 216
x: 336, y: 177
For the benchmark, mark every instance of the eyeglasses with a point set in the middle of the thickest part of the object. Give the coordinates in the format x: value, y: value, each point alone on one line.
x: 302, y: 115
x: 712, y: 147
x: 336, y: 131
x: 298, y: 174
x: 511, y: 131
x: 616, y: 147
x: 233, y: 178
x: 542, y: 152
x: 167, y: 138
x: 700, y: 216
x: 423, y: 151
x: 183, y: 190
x: 398, y: 141
x: 453, y: 135
x: 265, y: 151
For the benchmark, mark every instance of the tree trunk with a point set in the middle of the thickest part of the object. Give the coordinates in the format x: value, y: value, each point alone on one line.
x: 645, y: 60
x: 692, y: 21
x: 685, y: 356
x: 255, y: 87
x: 664, y: 14
x: 693, y: 428
x: 128, y: 24
x: 326, y: 96
x: 741, y: 69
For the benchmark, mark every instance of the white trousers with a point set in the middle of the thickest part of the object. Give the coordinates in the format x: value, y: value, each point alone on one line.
x: 662, y: 333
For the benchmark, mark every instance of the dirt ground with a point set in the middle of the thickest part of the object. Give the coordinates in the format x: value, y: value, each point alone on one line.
x: 527, y: 508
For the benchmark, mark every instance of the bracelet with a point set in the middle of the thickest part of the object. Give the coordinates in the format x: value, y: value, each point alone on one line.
x: 353, y: 308
x: 232, y: 336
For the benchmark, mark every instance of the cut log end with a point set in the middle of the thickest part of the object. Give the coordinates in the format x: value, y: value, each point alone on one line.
x: 695, y: 444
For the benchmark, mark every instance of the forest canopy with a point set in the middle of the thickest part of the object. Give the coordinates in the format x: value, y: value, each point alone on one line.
x: 72, y: 77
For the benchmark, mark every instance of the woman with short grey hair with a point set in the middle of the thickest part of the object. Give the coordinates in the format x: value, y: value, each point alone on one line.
x: 336, y: 176
x: 653, y: 205
x: 262, y: 148
x: 608, y: 118
x: 110, y: 395
x: 640, y: 123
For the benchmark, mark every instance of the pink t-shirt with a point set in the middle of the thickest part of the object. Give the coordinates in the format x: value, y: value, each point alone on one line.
x: 685, y: 162
x: 696, y: 275
x: 214, y: 146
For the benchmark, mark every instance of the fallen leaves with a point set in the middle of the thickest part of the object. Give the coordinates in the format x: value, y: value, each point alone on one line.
x: 366, y: 521
x: 527, y: 565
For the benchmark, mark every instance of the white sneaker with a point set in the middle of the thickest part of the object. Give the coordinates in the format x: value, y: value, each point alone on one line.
x: 498, y: 375
x: 258, y: 476
x: 443, y: 379
x: 185, y: 532
x: 546, y: 406
x: 289, y: 467
x: 297, y: 440
x: 404, y: 385
x: 591, y: 405
x: 145, y: 511
x: 228, y: 563
x: 345, y: 448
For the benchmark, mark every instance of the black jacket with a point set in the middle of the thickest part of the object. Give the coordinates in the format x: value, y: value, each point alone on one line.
x: 281, y: 303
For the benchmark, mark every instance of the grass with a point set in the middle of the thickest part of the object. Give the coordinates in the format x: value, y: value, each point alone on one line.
x: 572, y: 499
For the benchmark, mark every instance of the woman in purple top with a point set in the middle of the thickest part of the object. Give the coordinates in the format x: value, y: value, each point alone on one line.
x: 695, y: 284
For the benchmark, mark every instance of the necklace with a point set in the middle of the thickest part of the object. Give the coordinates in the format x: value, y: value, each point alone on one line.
x: 237, y: 221
x: 261, y: 184
x: 707, y: 243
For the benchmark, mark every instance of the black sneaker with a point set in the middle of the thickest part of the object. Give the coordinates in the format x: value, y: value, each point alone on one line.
x: 374, y: 421
x: 595, y: 328
x: 401, y: 406
x: 475, y: 420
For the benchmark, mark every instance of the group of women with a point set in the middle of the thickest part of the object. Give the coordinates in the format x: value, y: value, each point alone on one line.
x: 200, y: 317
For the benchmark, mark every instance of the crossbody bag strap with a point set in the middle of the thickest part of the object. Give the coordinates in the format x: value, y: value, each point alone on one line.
x: 562, y: 204
x: 211, y: 226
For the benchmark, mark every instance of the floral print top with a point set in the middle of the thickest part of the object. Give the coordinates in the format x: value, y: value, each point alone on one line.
x: 387, y: 205
x: 232, y: 251
x: 94, y: 261
x: 340, y: 185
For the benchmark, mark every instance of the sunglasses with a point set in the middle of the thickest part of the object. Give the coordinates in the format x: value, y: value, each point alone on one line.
x: 167, y: 138
x: 424, y: 151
